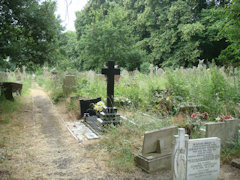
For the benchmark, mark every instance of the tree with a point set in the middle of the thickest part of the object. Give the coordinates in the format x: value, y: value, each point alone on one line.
x: 230, y: 55
x: 28, y: 32
x: 109, y: 38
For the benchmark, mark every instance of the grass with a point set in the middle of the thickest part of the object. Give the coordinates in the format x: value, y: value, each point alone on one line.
x: 9, y: 110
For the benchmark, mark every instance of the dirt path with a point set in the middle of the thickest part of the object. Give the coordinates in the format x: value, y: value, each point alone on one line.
x: 42, y: 148
x: 47, y: 150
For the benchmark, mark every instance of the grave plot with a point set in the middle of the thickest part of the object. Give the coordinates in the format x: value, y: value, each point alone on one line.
x: 125, y: 141
x: 107, y: 115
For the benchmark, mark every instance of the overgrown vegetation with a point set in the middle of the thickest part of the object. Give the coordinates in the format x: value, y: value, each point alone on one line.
x: 157, y: 100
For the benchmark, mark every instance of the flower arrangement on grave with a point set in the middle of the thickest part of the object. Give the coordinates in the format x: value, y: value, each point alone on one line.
x: 99, y: 106
x: 199, y: 116
x: 195, y: 122
x: 222, y: 118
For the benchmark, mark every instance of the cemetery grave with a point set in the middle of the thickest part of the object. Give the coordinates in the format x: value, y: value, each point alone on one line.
x: 146, y: 141
x: 108, y: 114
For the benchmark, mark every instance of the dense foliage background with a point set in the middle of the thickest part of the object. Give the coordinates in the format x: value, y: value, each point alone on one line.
x: 134, y: 33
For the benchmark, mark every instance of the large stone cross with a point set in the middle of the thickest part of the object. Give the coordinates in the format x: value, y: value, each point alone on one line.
x: 110, y: 71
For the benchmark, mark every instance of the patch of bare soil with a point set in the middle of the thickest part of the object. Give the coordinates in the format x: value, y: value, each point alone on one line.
x: 39, y: 146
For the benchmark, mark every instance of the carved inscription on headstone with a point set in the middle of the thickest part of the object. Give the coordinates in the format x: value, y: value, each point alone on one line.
x: 203, y: 159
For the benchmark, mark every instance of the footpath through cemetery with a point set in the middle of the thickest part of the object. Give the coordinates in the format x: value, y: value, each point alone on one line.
x: 93, y: 126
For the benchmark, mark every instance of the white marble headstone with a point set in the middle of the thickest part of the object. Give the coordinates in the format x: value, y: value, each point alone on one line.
x: 203, y: 159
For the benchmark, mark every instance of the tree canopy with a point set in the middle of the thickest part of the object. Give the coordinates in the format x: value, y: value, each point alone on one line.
x: 134, y: 33
x: 28, y: 32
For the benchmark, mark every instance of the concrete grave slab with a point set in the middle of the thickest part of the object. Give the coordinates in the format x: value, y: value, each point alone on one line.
x: 80, y: 131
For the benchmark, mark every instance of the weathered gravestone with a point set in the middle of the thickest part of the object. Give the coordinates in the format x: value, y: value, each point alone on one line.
x: 227, y: 131
x: 3, y: 77
x: 196, y: 159
x: 109, y: 114
x: 18, y: 74
x: 157, y: 150
x: 69, y: 84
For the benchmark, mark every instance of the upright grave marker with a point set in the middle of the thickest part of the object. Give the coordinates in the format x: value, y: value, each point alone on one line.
x: 196, y: 159
x: 69, y: 84
x: 110, y: 72
x: 109, y: 114
x: 227, y: 131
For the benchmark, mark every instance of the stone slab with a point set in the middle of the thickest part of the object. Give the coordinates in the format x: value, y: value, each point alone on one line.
x: 227, y: 131
x: 236, y: 163
x: 203, y: 159
x: 81, y: 131
x: 216, y: 129
x: 162, y: 137
x: 153, y: 162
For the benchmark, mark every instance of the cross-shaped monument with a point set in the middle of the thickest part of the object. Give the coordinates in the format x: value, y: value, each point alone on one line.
x: 109, y: 114
x: 110, y: 71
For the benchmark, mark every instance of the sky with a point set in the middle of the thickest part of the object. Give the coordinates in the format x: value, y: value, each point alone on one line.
x: 68, y: 14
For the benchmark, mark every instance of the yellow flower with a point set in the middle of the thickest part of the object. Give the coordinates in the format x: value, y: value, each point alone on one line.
x: 99, y: 106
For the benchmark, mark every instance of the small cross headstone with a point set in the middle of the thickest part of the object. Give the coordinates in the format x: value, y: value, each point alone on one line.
x: 110, y: 71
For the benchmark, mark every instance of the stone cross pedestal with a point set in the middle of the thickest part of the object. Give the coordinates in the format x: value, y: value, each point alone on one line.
x: 109, y: 114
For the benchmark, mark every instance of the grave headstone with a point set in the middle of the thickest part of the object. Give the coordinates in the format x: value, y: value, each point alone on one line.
x: 157, y: 150
x: 3, y: 77
x: 18, y: 74
x: 110, y: 72
x: 109, y: 113
x: 227, y: 131
x: 203, y: 158
x: 160, y: 71
x: 179, y: 162
x: 86, y: 106
x: 196, y: 159
x: 45, y: 72
x: 124, y: 73
x: 151, y: 69
x: 69, y: 84
x: 91, y: 75
x: 24, y: 74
